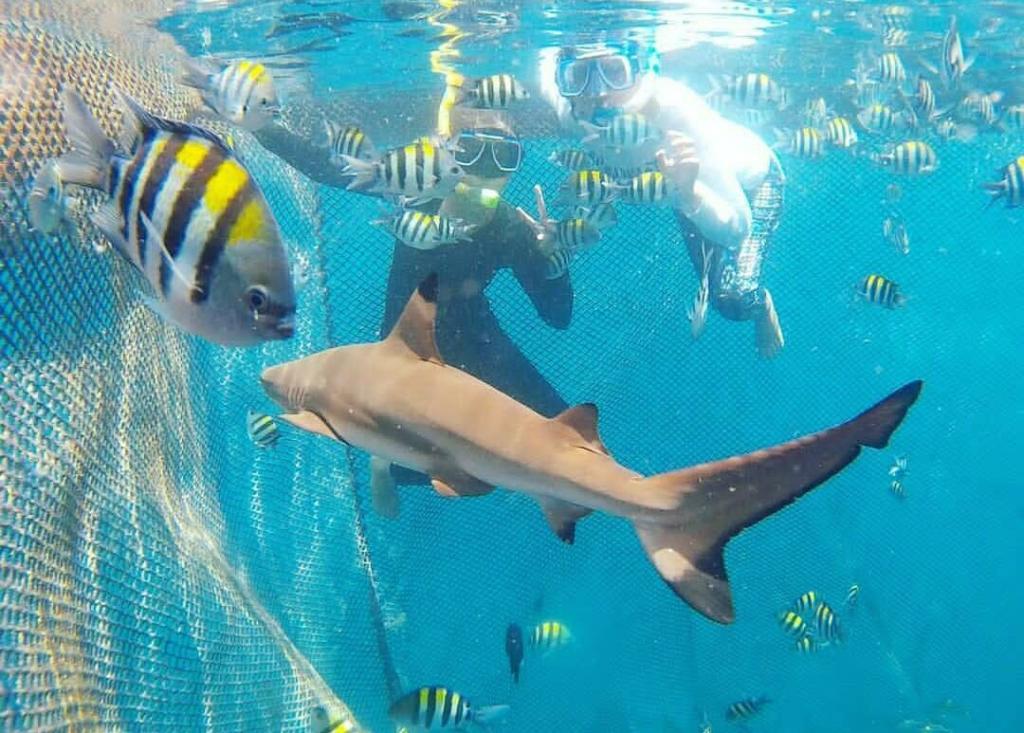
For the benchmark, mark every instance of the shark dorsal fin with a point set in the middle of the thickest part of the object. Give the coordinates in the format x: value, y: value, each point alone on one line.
x: 415, y: 327
x: 583, y: 419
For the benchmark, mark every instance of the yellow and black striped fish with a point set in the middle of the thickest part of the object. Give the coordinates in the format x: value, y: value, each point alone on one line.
x: 754, y: 89
x: 569, y: 237
x: 649, y: 187
x: 425, y: 231
x: 417, y: 172
x: 191, y: 218
x: 896, y: 487
x: 746, y: 709
x: 891, y: 69
x: 881, y: 291
x: 623, y: 131
x: 840, y: 133
x: 852, y: 595
x: 805, y: 142
x: 806, y: 644
x: 826, y: 624
x: 572, y: 159
x: 1011, y: 186
x: 911, y: 158
x: 589, y: 188
x: 549, y: 635
x: 793, y: 623
x: 439, y: 708
x: 321, y: 721
x: 496, y: 91
x: 807, y: 602
x: 349, y: 140
x: 242, y: 92
x: 262, y: 429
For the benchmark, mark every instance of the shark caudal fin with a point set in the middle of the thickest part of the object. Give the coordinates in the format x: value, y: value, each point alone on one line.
x: 713, y: 502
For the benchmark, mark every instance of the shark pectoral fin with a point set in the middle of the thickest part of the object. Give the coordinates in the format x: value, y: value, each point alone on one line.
x: 562, y: 517
x: 415, y: 327
x: 583, y: 419
x: 309, y: 422
x: 460, y: 485
x: 382, y: 488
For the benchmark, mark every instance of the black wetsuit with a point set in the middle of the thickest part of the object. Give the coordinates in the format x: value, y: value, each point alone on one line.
x: 468, y: 333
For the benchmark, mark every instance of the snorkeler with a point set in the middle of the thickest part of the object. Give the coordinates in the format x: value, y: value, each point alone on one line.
x: 729, y: 184
x: 468, y: 332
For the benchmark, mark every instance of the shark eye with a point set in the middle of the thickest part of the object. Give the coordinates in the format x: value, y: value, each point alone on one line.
x: 256, y: 297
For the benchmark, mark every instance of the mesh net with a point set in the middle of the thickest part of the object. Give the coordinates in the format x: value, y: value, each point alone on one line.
x: 160, y: 572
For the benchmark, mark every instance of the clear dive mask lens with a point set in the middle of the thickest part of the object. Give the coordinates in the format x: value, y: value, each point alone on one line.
x: 615, y: 72
x: 506, y: 151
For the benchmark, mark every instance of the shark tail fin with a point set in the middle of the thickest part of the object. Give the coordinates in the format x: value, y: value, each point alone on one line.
x: 713, y: 502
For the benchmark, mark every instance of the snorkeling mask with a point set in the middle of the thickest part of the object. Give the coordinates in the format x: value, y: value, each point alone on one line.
x: 598, y: 69
x: 506, y: 152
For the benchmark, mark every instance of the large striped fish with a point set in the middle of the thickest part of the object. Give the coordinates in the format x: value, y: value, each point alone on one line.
x: 192, y: 220
x: 242, y: 92
x: 415, y: 173
x: 438, y: 708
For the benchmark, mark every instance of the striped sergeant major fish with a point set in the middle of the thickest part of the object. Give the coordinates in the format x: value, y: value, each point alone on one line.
x: 911, y: 158
x: 438, y: 708
x: 954, y: 64
x: 1010, y: 187
x: 1013, y: 117
x: 880, y: 118
x: 924, y: 99
x: 349, y: 140
x: 189, y: 216
x: 891, y: 69
x: 425, y: 231
x: 415, y: 173
x: 589, y: 188
x: 242, y: 92
x: 572, y: 159
x: 650, y: 187
x: 898, y: 469
x: 840, y: 133
x: 807, y: 602
x: 262, y: 429
x: 896, y: 489
x: 622, y: 132
x: 568, y: 238
x: 806, y: 644
x: 600, y: 217
x: 853, y: 595
x: 793, y: 623
x: 881, y: 291
x: 496, y: 91
x: 895, y: 37
x: 321, y: 721
x: 549, y: 635
x: 826, y: 624
x: 805, y: 142
x: 753, y: 89
x: 746, y: 709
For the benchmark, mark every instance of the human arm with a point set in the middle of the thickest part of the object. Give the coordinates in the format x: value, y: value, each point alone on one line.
x: 552, y: 298
x: 302, y: 154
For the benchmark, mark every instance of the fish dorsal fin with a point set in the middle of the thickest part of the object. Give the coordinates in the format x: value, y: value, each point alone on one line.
x: 415, y: 327
x: 148, y: 121
x: 583, y: 419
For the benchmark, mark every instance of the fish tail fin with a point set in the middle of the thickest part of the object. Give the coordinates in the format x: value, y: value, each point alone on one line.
x: 330, y: 134
x: 463, y: 88
x: 88, y: 163
x: 781, y: 139
x: 197, y: 74
x: 490, y: 714
x: 593, y: 132
x: 710, y: 503
x: 995, y: 190
x: 365, y: 173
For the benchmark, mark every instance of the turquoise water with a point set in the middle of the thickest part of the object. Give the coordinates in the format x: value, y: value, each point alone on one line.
x: 938, y: 571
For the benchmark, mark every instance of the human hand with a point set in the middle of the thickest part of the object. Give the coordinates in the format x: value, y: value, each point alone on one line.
x: 680, y: 166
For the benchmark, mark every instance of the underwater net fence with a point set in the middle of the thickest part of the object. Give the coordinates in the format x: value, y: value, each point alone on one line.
x: 158, y: 571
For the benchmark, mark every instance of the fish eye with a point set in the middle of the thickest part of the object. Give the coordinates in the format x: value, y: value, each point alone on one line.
x: 263, y: 102
x: 456, y: 170
x: 245, y: 108
x: 256, y: 297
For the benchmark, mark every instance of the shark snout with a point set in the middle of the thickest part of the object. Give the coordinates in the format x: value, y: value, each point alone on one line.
x: 273, y: 383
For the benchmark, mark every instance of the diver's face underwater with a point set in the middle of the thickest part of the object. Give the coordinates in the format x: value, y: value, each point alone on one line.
x: 489, y: 156
x: 603, y: 77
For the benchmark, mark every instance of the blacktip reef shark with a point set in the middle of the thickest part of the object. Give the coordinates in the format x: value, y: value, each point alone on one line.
x: 399, y: 401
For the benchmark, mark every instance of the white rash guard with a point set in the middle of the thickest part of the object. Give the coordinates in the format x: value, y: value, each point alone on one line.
x: 733, y: 159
